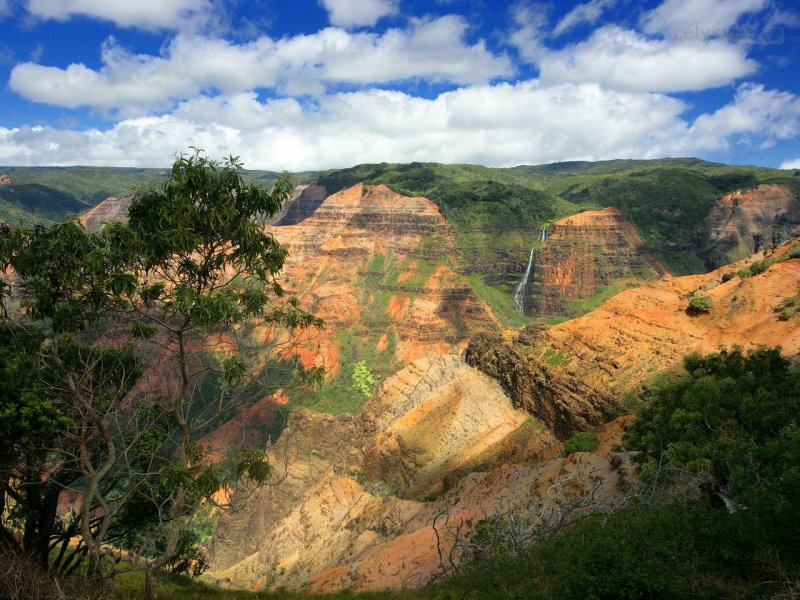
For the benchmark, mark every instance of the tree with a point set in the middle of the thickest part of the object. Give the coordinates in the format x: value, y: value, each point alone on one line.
x: 733, y: 420
x: 187, y: 280
x: 363, y: 380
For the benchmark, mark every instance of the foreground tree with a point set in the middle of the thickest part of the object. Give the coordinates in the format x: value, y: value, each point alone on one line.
x: 190, y: 276
x: 204, y: 273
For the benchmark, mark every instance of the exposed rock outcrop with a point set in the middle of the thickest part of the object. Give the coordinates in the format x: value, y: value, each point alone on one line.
x: 564, y: 403
x: 748, y: 221
x: 109, y: 210
x: 371, y: 259
x: 5, y: 180
x: 304, y: 201
x: 644, y: 330
x: 327, y: 526
x: 582, y: 254
x: 434, y: 420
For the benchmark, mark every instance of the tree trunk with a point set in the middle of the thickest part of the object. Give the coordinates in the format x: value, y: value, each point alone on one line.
x: 148, y: 584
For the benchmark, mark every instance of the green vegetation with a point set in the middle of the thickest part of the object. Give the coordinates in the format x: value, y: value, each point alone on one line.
x: 759, y: 266
x: 579, y: 307
x: 788, y: 308
x: 50, y: 194
x: 585, y: 441
x: 363, y: 380
x: 699, y: 305
x: 501, y: 303
x: 556, y: 358
x: 174, y: 277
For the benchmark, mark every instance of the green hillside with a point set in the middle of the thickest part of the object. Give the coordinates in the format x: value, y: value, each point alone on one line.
x: 49, y: 194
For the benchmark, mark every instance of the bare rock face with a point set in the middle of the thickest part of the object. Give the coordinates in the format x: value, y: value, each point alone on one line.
x: 325, y: 530
x: 583, y: 253
x: 332, y: 520
x: 304, y: 201
x: 5, y: 180
x: 563, y: 403
x: 313, y: 448
x: 108, y: 211
x: 748, y: 221
x: 644, y: 330
x: 436, y: 418
x: 369, y: 259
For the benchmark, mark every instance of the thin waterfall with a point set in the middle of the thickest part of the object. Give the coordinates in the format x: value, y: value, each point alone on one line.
x: 544, y: 234
x: 519, y: 291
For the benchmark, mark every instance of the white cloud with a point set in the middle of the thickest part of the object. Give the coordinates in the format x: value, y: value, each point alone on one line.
x: 588, y: 13
x: 757, y: 117
x: 357, y: 13
x: 793, y: 163
x: 144, y: 14
x: 625, y: 60
x: 500, y: 125
x: 698, y: 19
x: 5, y: 8
x: 133, y: 84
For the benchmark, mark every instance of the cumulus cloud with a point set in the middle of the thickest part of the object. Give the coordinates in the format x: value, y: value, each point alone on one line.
x: 358, y: 13
x: 501, y: 125
x: 143, y: 14
x: 702, y: 19
x: 631, y: 60
x: 135, y: 83
x: 757, y: 116
x: 588, y: 13
x: 793, y: 163
x: 624, y: 59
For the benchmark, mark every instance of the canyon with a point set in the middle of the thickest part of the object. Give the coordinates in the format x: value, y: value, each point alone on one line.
x: 474, y: 402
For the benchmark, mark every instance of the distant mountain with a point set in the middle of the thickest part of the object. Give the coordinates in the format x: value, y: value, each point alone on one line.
x: 31, y: 195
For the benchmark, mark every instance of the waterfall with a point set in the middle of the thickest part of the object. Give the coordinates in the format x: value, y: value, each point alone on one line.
x: 544, y: 234
x: 519, y: 291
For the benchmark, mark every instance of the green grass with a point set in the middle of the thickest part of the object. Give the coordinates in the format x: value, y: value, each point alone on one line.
x: 553, y: 320
x: 501, y: 302
x: 759, y: 266
x: 556, y: 358
x: 583, y: 306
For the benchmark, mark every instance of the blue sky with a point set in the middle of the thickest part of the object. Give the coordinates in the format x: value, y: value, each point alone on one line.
x: 315, y: 84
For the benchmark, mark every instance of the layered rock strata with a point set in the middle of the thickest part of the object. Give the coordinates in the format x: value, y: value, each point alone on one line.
x: 584, y: 253
x: 329, y: 525
x: 748, y: 221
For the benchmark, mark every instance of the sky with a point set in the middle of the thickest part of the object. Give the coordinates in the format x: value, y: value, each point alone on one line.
x: 316, y: 84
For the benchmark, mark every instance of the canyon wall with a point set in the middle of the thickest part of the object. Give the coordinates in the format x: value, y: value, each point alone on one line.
x: 583, y: 254
x: 748, y: 221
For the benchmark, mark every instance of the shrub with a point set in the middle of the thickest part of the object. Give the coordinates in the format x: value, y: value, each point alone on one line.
x: 699, y: 305
x: 788, y: 308
x: 585, y: 441
x: 755, y: 268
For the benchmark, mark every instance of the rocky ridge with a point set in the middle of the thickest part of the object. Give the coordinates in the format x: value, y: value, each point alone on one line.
x: 647, y: 329
x: 109, y: 210
x: 749, y: 221
x: 371, y: 261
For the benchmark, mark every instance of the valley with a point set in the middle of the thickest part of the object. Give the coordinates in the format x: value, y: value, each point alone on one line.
x: 501, y: 313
